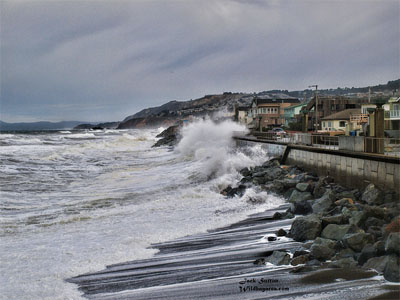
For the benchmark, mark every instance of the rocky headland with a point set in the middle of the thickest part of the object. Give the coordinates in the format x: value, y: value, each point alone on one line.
x: 339, y: 227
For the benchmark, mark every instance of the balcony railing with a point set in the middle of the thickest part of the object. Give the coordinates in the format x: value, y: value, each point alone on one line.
x: 392, y: 114
x: 359, y: 119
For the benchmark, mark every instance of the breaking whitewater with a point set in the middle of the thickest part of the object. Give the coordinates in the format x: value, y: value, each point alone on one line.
x: 74, y: 202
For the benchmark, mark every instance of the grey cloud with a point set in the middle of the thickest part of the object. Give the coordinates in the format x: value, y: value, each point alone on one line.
x: 103, y: 60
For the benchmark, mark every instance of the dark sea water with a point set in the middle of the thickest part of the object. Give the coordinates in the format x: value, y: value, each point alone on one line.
x: 74, y: 202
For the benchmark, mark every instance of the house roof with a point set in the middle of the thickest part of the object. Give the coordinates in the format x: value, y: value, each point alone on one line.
x: 343, y: 115
x: 276, y: 100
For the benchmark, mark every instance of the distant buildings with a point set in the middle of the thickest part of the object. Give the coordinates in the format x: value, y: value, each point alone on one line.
x: 342, y: 121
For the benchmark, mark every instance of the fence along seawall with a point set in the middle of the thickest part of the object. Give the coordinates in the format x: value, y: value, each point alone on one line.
x: 349, y: 167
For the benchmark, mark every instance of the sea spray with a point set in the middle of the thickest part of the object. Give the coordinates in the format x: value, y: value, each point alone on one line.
x: 211, y: 145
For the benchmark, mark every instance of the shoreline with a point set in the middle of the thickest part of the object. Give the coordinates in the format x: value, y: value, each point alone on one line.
x: 257, y: 246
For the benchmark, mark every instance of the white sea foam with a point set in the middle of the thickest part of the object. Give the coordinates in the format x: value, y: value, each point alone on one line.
x: 102, y: 199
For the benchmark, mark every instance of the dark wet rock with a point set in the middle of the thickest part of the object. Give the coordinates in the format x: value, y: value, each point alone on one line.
x: 322, y: 249
x: 297, y: 196
x: 357, y: 218
x: 169, y: 137
x: 367, y: 252
x: 357, y: 241
x: 392, y: 244
x: 371, y: 221
x: 305, y: 228
x: 319, y: 189
x: 354, y: 194
x: 274, y: 162
x: 245, y: 172
x: 376, y: 231
x: 278, y: 258
x: 277, y: 216
x: 347, y: 252
x: 259, y: 180
x: 281, y: 232
x: 300, y: 252
x: 377, y: 263
x: 289, y: 183
x: 259, y: 262
x: 392, y: 269
x: 347, y: 262
x: 336, y: 232
x: 272, y: 238
x: 393, y: 226
x: 324, y: 203
x: 380, y: 248
x: 299, y: 260
x: 302, y: 269
x: 347, y: 202
x: 313, y: 263
x: 260, y: 174
x: 231, y: 192
x: 372, y: 195
x: 301, y: 208
x: 303, y: 187
x: 335, y: 219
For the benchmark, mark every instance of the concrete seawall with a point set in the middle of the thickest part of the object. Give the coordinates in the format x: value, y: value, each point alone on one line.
x: 351, y: 169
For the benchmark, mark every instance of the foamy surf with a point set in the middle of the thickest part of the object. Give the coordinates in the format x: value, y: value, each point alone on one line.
x: 103, y: 198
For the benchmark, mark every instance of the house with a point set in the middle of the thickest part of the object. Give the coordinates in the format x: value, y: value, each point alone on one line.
x: 243, y: 115
x: 392, y: 114
x: 291, y: 112
x: 328, y: 105
x: 268, y: 110
x: 341, y: 121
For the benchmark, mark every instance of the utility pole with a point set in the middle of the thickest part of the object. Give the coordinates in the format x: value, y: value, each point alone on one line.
x: 316, y: 105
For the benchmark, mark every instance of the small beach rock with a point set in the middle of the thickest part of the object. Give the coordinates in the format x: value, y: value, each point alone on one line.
x: 278, y: 258
x: 372, y: 195
x: 393, y: 226
x: 299, y: 260
x: 259, y: 261
x: 271, y: 238
x: 371, y: 221
x: 345, y: 202
x: 281, y: 232
x: 357, y: 218
x: 305, y: 228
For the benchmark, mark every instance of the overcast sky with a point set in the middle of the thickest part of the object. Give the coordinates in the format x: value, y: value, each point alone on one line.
x: 104, y: 60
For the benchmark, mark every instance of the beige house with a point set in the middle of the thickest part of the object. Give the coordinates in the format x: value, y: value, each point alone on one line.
x: 342, y: 121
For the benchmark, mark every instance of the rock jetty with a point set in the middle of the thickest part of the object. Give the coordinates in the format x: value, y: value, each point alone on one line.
x: 340, y: 227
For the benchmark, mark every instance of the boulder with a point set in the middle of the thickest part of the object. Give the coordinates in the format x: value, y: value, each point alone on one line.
x: 372, y: 195
x: 301, y: 208
x: 335, y: 219
x: 288, y: 183
x: 354, y: 194
x: 319, y: 189
x: 357, y: 241
x: 278, y: 258
x: 297, y: 196
x: 300, y: 252
x: 376, y: 231
x: 377, y: 263
x: 347, y: 262
x: 303, y: 187
x: 272, y: 238
x: 367, y: 252
x: 322, y: 249
x: 392, y: 269
x: 336, y: 232
x: 392, y: 244
x: 371, y: 221
x: 357, y: 218
x: 299, y: 260
x: 305, y: 228
x: 347, y: 252
x: 393, y: 226
x: 245, y: 172
x: 348, y: 202
x: 324, y: 203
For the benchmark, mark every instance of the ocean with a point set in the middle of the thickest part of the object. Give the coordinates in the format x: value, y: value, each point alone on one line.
x: 74, y: 202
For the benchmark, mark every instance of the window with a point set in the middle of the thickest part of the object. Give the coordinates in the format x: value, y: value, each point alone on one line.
x: 329, y: 124
x: 342, y: 124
